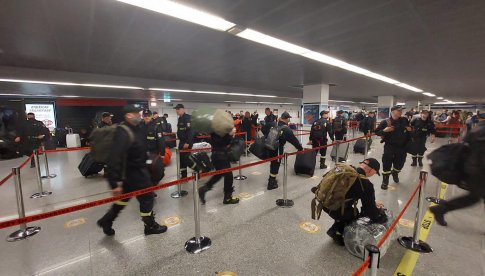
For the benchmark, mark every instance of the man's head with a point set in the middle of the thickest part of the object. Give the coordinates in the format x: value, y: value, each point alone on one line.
x: 30, y: 116
x: 247, y: 114
x: 180, y: 109
x: 396, y: 112
x: 147, y: 116
x: 285, y: 117
x: 340, y: 113
x: 424, y: 115
x: 106, y: 118
x: 132, y: 114
x: 267, y: 111
x: 324, y: 114
x: 370, y: 166
x: 165, y: 115
x: 155, y: 115
x: 372, y: 114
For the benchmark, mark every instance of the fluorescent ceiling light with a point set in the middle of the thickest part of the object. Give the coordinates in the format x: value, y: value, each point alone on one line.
x: 340, y: 101
x: 324, y: 58
x: 439, y: 98
x: 71, y: 84
x: 429, y: 94
x: 400, y: 103
x: 267, y: 40
x: 70, y: 96
x: 367, y: 103
x: 409, y: 87
x: 183, y: 12
x: 381, y: 78
x: 450, y: 103
x: 211, y: 92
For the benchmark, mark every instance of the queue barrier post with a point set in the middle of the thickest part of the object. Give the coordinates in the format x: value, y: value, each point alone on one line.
x: 366, y: 149
x: 246, y: 142
x: 285, y: 202
x: 336, y: 151
x: 179, y: 193
x: 413, y: 243
x: 41, y: 193
x: 372, y: 252
x: 240, y: 176
x: 198, y: 243
x: 24, y: 231
x: 47, y: 175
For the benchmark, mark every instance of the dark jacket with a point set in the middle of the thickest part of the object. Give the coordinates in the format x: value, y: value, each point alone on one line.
x: 246, y: 125
x: 474, y: 164
x: 269, y: 121
x: 399, y: 137
x: 286, y: 135
x: 127, y: 158
x: 368, y: 124
x: 184, y: 131
x: 422, y: 128
x: 320, y: 129
x: 103, y: 124
x: 154, y: 137
x: 339, y: 125
x: 220, y: 144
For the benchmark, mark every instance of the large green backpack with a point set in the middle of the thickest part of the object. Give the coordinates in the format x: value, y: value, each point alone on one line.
x: 101, y: 140
x: 330, y: 193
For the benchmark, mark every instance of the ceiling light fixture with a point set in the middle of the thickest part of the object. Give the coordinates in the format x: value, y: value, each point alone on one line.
x: 449, y: 102
x: 429, y: 94
x: 409, y: 87
x: 439, y: 98
x: 211, y: 92
x: 71, y: 84
x: 183, y: 12
x: 267, y: 40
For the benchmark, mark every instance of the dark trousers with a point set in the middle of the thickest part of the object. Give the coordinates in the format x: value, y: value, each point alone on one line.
x: 342, y: 220
x: 274, y: 166
x: 221, y: 161
x: 339, y: 136
x: 419, y: 146
x: 137, y: 179
x: 460, y: 202
x: 319, y: 143
x: 184, y: 163
x: 393, y: 158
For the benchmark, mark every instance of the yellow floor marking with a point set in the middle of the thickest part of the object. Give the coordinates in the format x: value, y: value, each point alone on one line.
x: 408, y: 262
x: 406, y: 223
x: 75, y: 222
x: 226, y: 273
x: 256, y: 173
x: 172, y: 221
x: 310, y: 227
x: 245, y: 195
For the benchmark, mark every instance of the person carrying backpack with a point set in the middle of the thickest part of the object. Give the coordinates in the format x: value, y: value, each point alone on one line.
x: 339, y: 126
x: 422, y: 128
x: 285, y: 134
x: 338, y: 194
x: 269, y: 121
x: 318, y: 135
x: 127, y: 172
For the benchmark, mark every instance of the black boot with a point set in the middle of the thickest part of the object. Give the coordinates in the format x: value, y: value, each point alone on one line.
x: 228, y: 199
x: 106, y: 222
x: 420, y: 161
x: 414, y: 164
x: 151, y: 226
x: 202, y: 191
x: 385, y: 181
x: 439, y: 215
x: 183, y: 174
x: 322, y: 163
x: 272, y: 183
x: 337, y: 237
x: 395, y: 176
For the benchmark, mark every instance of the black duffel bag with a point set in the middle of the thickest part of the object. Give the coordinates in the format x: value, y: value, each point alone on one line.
x: 259, y: 149
x: 238, y: 146
x: 201, y: 162
x: 447, y: 163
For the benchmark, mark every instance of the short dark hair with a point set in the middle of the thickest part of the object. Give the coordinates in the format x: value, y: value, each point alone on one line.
x: 30, y: 113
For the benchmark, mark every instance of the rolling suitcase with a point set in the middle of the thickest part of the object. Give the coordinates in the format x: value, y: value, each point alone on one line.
x: 305, y: 163
x: 343, y: 151
x: 359, y: 146
x: 88, y: 167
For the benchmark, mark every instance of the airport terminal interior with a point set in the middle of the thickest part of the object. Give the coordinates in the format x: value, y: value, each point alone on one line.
x: 98, y: 97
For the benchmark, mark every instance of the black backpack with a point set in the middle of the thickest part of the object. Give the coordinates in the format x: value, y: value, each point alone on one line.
x: 447, y: 163
x: 338, y: 124
x: 316, y: 130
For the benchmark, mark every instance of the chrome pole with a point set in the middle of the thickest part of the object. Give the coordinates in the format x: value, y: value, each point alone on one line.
x: 179, y: 193
x: 46, y: 166
x: 285, y: 202
x: 374, y: 253
x: 41, y: 193
x: 198, y: 243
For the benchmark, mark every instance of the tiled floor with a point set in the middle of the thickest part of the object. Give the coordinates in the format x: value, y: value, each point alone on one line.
x: 252, y: 238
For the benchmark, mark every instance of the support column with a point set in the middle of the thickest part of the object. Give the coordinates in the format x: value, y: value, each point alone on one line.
x: 315, y: 100
x: 384, y: 104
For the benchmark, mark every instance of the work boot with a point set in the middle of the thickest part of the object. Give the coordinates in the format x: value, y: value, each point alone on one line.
x: 395, y: 176
x: 228, y: 199
x: 272, y: 183
x: 337, y: 237
x: 322, y: 163
x: 151, y: 226
x: 183, y: 174
x: 106, y: 222
x: 414, y: 164
x: 202, y: 191
x: 385, y: 181
x: 439, y: 215
x: 420, y: 161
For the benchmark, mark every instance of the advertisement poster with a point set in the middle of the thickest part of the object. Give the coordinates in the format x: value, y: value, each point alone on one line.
x: 310, y: 113
x: 44, y: 113
x: 383, y: 113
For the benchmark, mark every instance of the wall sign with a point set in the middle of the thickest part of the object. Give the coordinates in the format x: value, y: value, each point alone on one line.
x: 44, y: 112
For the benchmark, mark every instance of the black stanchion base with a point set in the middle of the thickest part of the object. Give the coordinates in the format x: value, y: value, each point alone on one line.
x: 240, y: 177
x: 23, y: 234
x: 50, y: 176
x: 40, y: 195
x: 178, y: 194
x: 435, y: 200
x: 421, y: 247
x: 285, y: 203
x: 197, y: 245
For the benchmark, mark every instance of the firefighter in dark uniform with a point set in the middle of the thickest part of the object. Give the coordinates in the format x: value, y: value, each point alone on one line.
x: 127, y: 172
x: 185, y: 136
x: 339, y: 126
x: 286, y: 135
x: 318, y: 135
x: 395, y: 132
x: 422, y: 127
x: 220, y: 148
x: 30, y: 136
x: 155, y: 146
x: 368, y: 124
x: 106, y: 120
x: 269, y: 121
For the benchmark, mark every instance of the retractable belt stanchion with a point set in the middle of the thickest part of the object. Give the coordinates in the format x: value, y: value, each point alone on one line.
x: 198, y: 243
x: 413, y: 243
x: 24, y: 231
x: 179, y: 193
x: 336, y: 152
x: 246, y: 143
x: 374, y: 253
x: 41, y: 192
x: 366, y: 149
x: 285, y: 202
x: 240, y: 176
x: 47, y: 175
